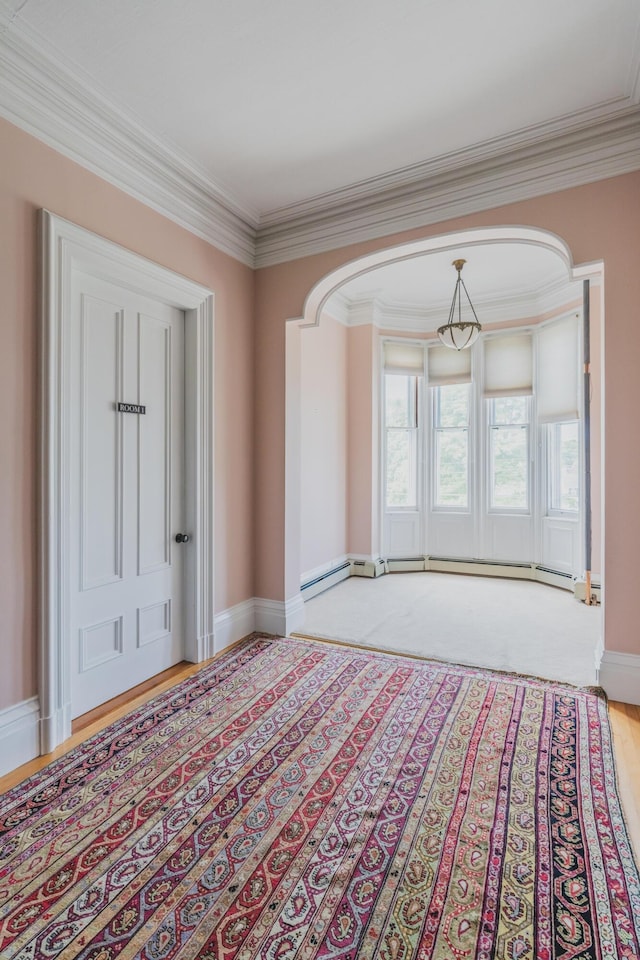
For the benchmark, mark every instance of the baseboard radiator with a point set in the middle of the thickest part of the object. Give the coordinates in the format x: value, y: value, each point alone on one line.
x: 351, y: 567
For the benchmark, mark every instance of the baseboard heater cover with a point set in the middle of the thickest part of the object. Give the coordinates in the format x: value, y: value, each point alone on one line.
x: 368, y: 568
x: 325, y: 576
x: 375, y: 568
x: 488, y: 563
x: 499, y: 568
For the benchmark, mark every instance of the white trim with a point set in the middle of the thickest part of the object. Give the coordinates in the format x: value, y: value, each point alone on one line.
x: 326, y: 575
x: 388, y: 315
x: 570, y: 152
x: 234, y: 623
x: 328, y: 285
x: 323, y: 568
x: 45, y: 98
x: 279, y: 617
x: 42, y: 96
x: 66, y: 246
x: 619, y: 674
x: 19, y: 734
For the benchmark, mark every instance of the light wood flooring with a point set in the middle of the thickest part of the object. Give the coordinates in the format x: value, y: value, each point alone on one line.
x: 624, y: 717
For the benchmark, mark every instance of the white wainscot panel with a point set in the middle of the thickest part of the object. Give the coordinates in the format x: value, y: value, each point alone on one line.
x: 450, y: 535
x: 154, y: 622
x: 561, y: 544
x: 509, y: 538
x: 100, y: 642
x: 402, y: 534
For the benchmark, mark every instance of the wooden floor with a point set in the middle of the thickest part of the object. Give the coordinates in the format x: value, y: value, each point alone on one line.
x: 625, y: 724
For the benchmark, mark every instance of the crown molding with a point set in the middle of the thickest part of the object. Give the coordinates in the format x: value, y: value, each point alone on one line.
x: 42, y: 96
x: 452, y: 186
x: 46, y: 100
x: 372, y: 309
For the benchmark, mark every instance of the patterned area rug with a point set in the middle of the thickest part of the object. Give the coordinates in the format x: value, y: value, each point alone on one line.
x: 301, y: 800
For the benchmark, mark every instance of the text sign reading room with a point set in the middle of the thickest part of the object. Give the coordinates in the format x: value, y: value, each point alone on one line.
x: 131, y: 408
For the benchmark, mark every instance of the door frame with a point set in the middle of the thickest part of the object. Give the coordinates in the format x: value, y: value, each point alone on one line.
x: 64, y: 247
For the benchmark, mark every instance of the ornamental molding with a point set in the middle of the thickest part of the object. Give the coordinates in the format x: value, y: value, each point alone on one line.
x: 371, y: 308
x: 59, y: 107
x: 454, y: 186
x: 47, y: 100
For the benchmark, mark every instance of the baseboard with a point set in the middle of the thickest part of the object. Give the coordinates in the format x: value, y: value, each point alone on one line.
x: 619, y: 674
x: 280, y: 617
x: 321, y: 578
x: 19, y: 734
x: 482, y: 568
x: 234, y: 623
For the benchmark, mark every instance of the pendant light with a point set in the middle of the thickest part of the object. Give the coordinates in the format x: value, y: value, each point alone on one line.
x: 458, y: 333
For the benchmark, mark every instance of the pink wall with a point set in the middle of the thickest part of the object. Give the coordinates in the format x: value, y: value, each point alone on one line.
x: 598, y: 222
x: 323, y: 443
x: 34, y: 176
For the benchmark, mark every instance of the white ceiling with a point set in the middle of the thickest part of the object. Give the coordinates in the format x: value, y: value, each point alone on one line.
x: 265, y: 106
x: 510, y: 269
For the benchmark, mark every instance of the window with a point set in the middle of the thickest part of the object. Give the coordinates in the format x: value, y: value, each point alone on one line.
x: 564, y: 467
x: 509, y: 453
x: 401, y: 428
x: 451, y: 441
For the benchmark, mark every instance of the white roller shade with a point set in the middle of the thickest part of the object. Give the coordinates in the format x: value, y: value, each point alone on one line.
x: 508, y: 365
x: 557, y: 371
x: 447, y: 366
x: 407, y: 358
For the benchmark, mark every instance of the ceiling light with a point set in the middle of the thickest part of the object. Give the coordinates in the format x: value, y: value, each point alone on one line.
x: 458, y: 333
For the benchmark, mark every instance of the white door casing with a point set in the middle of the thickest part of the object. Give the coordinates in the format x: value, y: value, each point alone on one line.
x: 67, y: 248
x: 127, y: 492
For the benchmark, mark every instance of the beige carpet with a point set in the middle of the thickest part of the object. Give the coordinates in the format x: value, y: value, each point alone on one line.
x: 509, y: 625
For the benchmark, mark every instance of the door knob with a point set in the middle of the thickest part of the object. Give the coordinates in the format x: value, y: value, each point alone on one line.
x: 182, y: 537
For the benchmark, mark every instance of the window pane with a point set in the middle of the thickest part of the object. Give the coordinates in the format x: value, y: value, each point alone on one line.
x: 565, y: 466
x: 507, y: 410
x: 451, y: 468
x: 452, y: 405
x: 400, y: 400
x: 510, y: 467
x: 401, y: 468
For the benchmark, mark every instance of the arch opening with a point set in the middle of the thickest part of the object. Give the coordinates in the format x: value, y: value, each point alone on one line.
x: 360, y: 279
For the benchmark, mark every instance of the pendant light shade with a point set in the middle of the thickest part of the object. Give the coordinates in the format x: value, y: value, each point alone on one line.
x: 458, y: 333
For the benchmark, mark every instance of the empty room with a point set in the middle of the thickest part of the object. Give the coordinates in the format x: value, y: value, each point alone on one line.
x: 319, y: 480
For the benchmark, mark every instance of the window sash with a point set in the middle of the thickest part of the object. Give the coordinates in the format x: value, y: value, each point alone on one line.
x: 555, y: 506
x: 442, y: 436
x: 500, y: 502
x: 394, y: 480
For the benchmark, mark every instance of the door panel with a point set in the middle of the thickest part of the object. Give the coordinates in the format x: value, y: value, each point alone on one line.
x: 126, y: 483
x: 101, y: 352
x: 154, y: 444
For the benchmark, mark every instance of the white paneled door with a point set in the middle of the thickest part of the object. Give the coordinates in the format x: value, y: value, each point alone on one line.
x: 126, y: 483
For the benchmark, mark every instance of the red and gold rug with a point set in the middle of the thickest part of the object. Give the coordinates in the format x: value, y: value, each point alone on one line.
x: 302, y: 800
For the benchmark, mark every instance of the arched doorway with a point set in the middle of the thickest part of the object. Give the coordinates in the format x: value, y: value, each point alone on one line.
x: 505, y: 246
